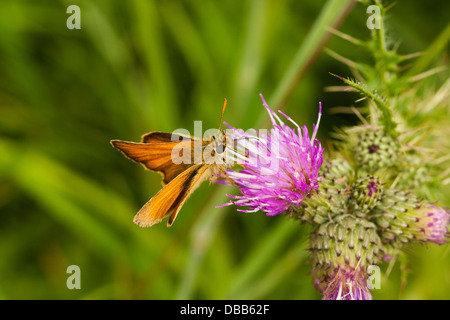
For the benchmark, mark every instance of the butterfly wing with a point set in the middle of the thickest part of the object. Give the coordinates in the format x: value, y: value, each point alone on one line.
x: 171, y: 197
x: 158, y: 156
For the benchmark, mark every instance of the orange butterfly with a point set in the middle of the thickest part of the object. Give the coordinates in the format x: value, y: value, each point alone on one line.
x: 199, y: 163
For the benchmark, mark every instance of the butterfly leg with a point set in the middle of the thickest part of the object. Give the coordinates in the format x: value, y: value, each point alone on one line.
x: 229, y: 179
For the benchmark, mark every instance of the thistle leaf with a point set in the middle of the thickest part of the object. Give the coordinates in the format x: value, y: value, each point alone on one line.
x: 381, y: 103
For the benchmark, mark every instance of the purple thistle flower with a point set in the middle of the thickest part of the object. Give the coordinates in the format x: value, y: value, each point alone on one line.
x: 280, y: 168
x: 433, y: 222
x: 373, y: 188
x: 346, y: 285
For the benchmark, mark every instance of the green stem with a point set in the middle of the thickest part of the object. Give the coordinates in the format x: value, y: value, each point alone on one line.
x: 380, y: 31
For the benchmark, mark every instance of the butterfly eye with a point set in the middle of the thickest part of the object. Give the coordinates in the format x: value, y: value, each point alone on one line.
x: 220, y: 148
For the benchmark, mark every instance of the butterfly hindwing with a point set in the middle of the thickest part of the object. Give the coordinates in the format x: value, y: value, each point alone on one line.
x: 171, y: 197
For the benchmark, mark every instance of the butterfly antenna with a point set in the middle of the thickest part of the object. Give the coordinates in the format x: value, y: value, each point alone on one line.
x: 223, y: 110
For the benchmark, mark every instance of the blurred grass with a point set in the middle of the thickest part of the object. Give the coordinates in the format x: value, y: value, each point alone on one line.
x: 67, y: 197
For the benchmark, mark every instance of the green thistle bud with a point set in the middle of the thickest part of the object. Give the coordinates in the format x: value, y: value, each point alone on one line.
x: 330, y: 198
x: 413, y: 173
x: 314, y: 209
x: 396, y: 215
x: 366, y: 193
x: 345, y: 243
x: 341, y: 250
x: 336, y: 170
x: 336, y: 176
x: 375, y: 150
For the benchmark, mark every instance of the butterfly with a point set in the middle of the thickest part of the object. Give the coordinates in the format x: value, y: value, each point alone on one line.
x: 184, y: 162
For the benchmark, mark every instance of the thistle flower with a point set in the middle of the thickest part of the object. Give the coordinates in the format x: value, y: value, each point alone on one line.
x: 347, y: 285
x: 281, y: 168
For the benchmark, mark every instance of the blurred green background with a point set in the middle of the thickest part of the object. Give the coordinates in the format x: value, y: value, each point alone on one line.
x: 68, y: 198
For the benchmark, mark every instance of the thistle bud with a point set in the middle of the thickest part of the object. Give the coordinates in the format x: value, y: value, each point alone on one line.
x: 401, y: 217
x: 341, y: 250
x: 375, y: 150
x: 330, y: 198
x: 345, y: 242
x: 431, y: 224
x: 337, y: 170
x: 413, y: 173
x: 366, y: 193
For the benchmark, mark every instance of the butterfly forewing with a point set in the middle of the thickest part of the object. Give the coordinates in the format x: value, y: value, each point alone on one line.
x: 158, y: 156
x: 163, y: 137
